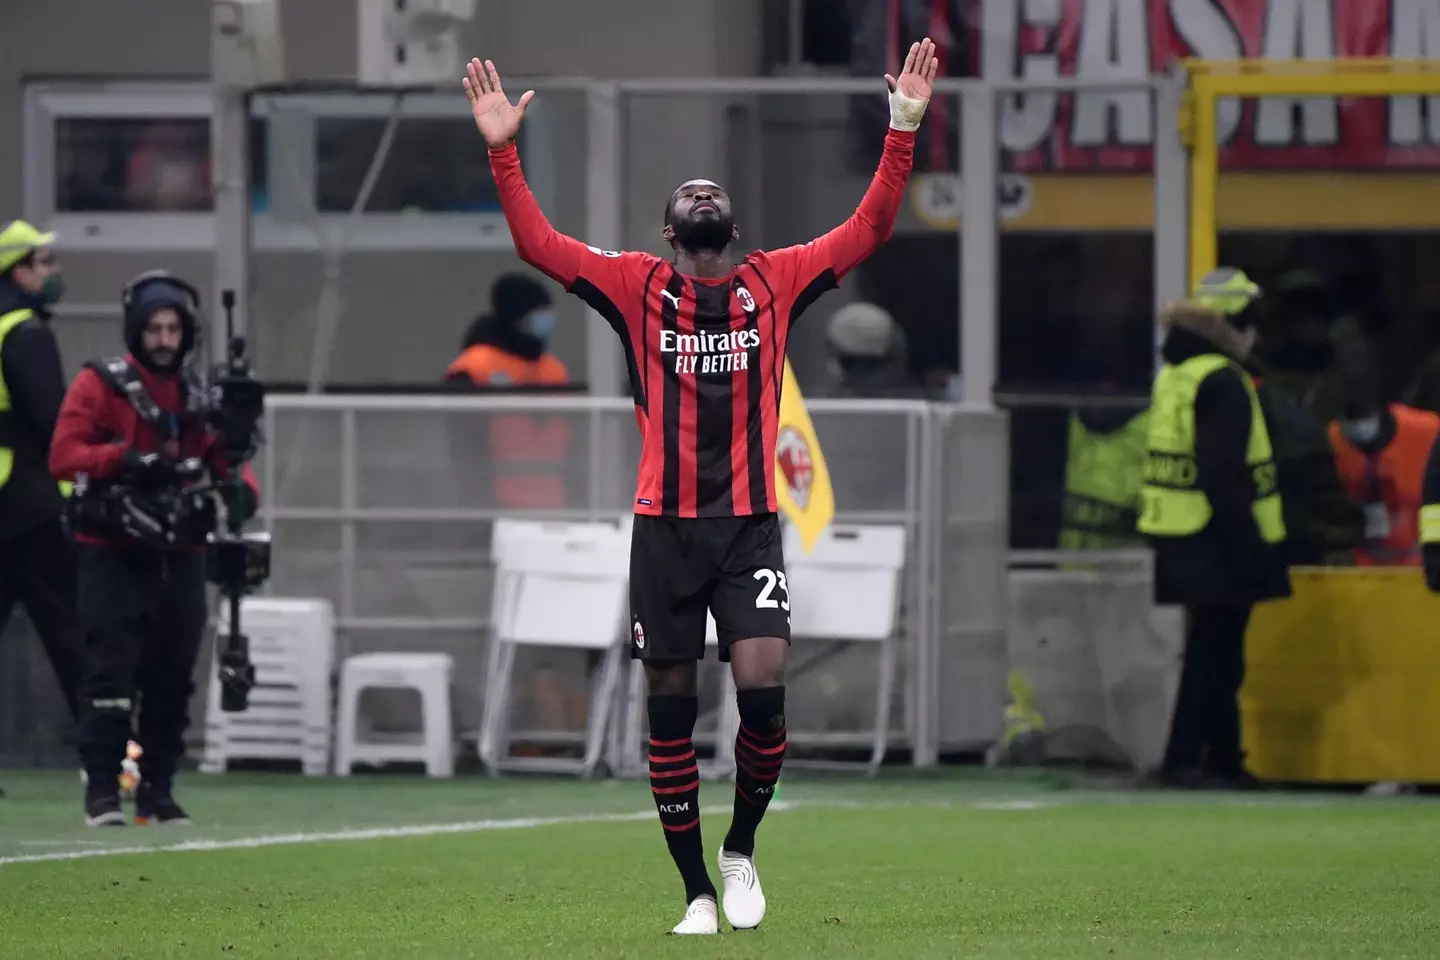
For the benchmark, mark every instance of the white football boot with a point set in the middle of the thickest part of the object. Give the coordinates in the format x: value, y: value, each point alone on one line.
x: 743, y: 898
x: 701, y: 917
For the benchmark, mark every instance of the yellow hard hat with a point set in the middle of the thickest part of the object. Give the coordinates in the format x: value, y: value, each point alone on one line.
x: 18, y: 240
x: 1226, y: 290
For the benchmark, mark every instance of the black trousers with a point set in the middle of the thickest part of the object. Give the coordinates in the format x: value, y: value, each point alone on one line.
x: 144, y: 613
x: 37, y: 571
x: 1205, y: 733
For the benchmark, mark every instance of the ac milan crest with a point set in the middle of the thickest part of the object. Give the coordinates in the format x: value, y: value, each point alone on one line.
x: 747, y: 302
x: 638, y: 632
x: 797, y: 466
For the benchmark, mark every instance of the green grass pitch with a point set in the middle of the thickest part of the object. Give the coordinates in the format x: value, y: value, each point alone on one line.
x: 954, y: 865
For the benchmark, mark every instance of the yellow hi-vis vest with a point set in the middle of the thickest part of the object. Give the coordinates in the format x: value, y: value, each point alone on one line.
x: 1102, y: 485
x: 9, y: 322
x: 1430, y: 523
x: 1173, y: 506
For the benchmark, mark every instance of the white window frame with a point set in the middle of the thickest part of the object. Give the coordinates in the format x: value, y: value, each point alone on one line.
x: 129, y: 232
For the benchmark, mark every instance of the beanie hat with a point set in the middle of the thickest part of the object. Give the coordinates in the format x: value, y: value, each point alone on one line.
x: 515, y: 295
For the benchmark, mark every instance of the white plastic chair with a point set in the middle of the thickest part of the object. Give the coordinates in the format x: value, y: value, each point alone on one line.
x: 428, y: 674
x: 556, y: 585
x: 292, y: 645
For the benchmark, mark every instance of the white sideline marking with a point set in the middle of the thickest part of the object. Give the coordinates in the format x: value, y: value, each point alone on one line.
x: 337, y: 836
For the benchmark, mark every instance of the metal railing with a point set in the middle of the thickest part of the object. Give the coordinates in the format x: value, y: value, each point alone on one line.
x: 380, y: 504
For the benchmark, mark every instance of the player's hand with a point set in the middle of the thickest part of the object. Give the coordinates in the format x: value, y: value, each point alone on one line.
x: 496, y: 118
x: 916, y: 81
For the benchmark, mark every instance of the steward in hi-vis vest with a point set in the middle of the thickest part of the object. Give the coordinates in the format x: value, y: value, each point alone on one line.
x: 1211, y: 509
x: 1106, y: 455
x: 37, y: 560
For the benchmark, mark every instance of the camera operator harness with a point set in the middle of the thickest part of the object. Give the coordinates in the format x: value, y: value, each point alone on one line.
x: 144, y: 505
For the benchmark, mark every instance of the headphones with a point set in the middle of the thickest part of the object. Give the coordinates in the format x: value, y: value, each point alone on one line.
x: 131, y: 289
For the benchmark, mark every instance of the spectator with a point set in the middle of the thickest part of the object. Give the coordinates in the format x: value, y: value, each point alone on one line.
x: 867, y: 351
x: 1303, y: 392
x: 508, y: 347
x: 168, y: 170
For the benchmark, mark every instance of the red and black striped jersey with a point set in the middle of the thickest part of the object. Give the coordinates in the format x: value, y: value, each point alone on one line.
x: 706, y: 356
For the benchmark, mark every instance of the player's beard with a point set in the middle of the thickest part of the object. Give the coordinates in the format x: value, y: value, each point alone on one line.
x: 707, y: 234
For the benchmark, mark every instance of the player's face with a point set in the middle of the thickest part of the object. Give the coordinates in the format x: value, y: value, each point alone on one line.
x: 700, y: 216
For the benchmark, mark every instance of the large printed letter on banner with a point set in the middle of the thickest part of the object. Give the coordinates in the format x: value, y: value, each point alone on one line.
x: 802, y: 483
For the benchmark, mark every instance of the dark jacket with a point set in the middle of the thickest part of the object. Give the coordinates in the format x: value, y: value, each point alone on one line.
x: 30, y: 360
x: 1227, y: 562
x: 1430, y: 494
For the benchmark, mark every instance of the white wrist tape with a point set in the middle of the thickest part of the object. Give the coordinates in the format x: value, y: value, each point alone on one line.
x: 905, y: 113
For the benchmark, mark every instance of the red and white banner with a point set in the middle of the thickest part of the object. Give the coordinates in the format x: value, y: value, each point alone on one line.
x: 1134, y: 38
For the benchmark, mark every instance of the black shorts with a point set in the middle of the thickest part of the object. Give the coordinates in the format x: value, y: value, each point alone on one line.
x: 679, y: 567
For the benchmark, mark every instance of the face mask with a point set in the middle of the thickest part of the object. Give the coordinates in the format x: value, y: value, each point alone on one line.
x: 1361, y: 431
x: 53, y: 288
x: 540, y: 324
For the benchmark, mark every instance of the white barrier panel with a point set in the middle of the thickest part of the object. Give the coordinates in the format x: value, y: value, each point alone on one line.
x: 1102, y: 659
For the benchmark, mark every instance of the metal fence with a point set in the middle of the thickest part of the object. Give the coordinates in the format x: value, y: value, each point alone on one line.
x: 382, y: 505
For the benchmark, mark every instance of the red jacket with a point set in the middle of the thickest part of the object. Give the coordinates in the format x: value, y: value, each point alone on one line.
x: 97, y: 426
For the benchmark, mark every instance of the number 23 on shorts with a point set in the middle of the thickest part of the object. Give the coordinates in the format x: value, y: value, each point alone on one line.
x: 770, y: 581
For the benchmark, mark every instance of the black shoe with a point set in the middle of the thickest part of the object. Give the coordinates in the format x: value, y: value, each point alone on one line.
x: 1173, y: 778
x: 154, y: 805
x: 103, y: 810
x: 1231, y: 778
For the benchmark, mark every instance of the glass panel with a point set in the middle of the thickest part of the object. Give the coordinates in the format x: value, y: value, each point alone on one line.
x: 1076, y: 315
x: 405, y: 310
x: 141, y: 164
x: 434, y: 166
x: 1330, y: 205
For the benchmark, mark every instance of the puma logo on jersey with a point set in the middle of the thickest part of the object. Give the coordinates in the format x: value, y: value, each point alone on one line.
x: 673, y: 299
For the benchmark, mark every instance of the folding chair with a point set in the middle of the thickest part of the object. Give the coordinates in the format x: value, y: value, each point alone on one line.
x: 556, y: 585
x: 848, y: 588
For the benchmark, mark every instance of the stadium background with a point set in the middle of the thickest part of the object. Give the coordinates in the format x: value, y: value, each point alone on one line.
x: 1075, y: 286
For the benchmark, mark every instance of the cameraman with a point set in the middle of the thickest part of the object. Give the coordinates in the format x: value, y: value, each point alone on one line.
x: 132, y: 435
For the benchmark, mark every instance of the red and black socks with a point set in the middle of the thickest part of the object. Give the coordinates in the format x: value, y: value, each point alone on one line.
x: 675, y: 783
x: 759, y: 755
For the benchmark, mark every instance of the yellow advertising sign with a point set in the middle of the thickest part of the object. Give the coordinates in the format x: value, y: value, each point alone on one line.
x: 1252, y: 200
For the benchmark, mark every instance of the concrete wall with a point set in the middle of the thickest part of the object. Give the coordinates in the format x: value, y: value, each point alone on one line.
x: 668, y: 139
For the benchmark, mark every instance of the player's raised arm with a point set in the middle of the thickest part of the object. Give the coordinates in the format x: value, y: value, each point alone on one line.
x: 498, y: 120
x: 598, y: 277
x: 873, y: 222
